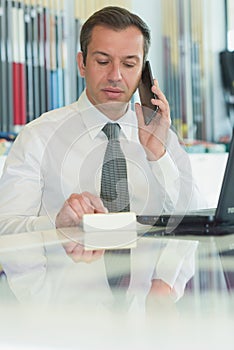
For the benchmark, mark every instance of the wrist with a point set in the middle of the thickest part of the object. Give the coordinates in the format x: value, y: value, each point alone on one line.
x: 156, y: 155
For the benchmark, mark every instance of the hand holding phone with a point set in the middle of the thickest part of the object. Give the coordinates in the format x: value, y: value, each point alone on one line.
x: 149, y: 110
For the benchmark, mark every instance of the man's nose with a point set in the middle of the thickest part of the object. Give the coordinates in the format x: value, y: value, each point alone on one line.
x: 115, y: 72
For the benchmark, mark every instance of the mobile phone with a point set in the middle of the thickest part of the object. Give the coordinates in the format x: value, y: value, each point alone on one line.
x: 145, y: 93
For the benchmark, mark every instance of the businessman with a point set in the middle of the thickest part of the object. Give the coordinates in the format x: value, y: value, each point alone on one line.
x: 54, y: 172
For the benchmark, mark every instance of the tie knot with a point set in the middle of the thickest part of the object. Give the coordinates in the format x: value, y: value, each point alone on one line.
x: 111, y: 130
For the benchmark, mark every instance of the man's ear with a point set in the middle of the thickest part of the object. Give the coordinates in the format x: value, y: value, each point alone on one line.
x: 80, y: 62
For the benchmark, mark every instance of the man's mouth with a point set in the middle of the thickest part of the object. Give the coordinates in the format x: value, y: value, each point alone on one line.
x: 112, y: 92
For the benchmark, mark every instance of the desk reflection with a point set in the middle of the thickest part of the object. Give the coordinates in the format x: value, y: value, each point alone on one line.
x: 40, y: 270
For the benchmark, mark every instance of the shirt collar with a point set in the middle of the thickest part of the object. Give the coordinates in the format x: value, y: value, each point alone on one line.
x: 94, y: 120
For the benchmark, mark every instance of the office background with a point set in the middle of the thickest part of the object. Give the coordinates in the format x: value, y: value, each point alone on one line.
x: 40, y: 38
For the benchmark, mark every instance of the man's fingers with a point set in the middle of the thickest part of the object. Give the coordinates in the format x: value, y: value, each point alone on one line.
x: 95, y: 202
x: 66, y: 217
x: 79, y: 254
x: 140, y: 117
x: 97, y: 254
x: 80, y: 205
x: 76, y: 206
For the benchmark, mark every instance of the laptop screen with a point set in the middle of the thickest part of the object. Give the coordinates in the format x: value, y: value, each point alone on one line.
x: 225, y: 208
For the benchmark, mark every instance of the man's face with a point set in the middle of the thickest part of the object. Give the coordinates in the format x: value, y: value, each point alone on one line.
x: 113, y: 65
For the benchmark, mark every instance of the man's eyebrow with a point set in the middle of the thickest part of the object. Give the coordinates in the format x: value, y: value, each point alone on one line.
x: 136, y: 57
x: 100, y: 53
x: 107, y: 55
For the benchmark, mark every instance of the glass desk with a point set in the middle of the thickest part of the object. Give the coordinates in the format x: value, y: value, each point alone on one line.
x: 49, y: 299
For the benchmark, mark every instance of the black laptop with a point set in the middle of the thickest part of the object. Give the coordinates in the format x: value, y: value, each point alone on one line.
x: 217, y: 221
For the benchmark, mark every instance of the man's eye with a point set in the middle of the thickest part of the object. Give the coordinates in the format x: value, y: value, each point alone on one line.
x: 103, y: 63
x: 129, y: 65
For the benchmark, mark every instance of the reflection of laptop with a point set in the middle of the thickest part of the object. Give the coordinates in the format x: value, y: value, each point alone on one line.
x: 206, y: 221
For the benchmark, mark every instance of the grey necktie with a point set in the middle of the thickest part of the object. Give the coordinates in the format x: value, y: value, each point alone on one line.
x: 115, y: 196
x: 114, y: 183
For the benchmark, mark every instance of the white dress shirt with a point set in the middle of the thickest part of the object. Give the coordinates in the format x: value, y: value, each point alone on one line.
x: 62, y: 152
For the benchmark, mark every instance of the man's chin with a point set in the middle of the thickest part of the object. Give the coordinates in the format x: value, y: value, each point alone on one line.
x: 113, y: 109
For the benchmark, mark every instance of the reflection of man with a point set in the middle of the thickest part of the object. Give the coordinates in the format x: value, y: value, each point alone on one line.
x: 39, y: 271
x: 52, y: 174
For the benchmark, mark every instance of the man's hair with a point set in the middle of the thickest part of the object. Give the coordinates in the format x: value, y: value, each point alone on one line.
x: 116, y: 18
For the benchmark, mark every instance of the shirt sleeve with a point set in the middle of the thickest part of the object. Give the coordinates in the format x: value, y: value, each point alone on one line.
x: 176, y: 265
x: 167, y: 175
x: 174, y: 173
x: 21, y: 187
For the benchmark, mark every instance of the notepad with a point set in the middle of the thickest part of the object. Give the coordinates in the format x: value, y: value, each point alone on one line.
x: 112, y: 221
x: 109, y: 231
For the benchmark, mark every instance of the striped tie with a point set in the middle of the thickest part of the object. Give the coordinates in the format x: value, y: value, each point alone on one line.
x: 114, y: 183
